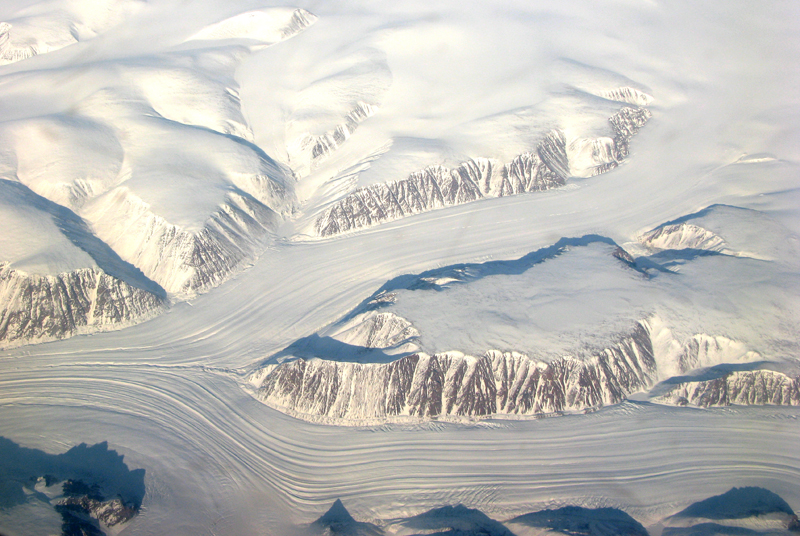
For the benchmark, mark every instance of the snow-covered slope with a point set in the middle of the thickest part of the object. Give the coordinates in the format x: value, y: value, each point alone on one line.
x: 57, y: 279
x: 549, y: 166
x: 259, y: 27
x: 683, y: 236
x: 169, y: 148
x: 149, y: 164
x: 49, y: 26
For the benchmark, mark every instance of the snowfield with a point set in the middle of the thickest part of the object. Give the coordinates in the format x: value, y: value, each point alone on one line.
x: 536, y: 257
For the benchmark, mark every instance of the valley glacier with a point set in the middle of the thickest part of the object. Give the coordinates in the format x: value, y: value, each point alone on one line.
x: 348, y: 268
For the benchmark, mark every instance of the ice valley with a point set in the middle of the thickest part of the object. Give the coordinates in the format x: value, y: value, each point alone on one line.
x: 410, y: 268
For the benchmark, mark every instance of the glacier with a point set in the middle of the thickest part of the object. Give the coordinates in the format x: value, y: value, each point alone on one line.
x: 615, y: 248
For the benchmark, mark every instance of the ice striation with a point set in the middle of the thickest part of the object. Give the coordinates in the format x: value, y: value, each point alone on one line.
x: 38, y: 308
x: 741, y: 388
x: 549, y: 166
x: 183, y: 262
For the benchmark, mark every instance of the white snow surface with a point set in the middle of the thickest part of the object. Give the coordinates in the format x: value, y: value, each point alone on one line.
x: 170, y: 393
x: 31, y: 240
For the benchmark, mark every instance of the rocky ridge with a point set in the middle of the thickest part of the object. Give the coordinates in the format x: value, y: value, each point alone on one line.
x: 454, y: 385
x: 38, y: 308
x: 435, y: 187
x: 744, y: 388
x: 181, y: 261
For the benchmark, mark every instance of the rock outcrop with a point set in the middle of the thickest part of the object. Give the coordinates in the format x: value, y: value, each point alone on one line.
x: 435, y: 187
x: 38, y: 308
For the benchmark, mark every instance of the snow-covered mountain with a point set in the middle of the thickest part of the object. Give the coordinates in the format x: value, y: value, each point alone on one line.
x: 430, y: 222
x: 378, y: 364
x: 452, y: 384
x: 146, y: 161
x: 58, y: 280
x: 554, y: 160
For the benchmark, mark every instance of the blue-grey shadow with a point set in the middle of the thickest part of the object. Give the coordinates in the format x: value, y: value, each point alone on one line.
x: 94, y: 465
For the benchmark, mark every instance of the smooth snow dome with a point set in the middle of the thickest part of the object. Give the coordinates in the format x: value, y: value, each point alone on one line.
x: 577, y: 301
x: 31, y: 240
x: 63, y: 158
x: 582, y: 298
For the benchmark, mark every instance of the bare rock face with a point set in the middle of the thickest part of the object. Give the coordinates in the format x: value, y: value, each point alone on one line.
x: 453, y: 384
x: 39, y: 308
x: 626, y: 125
x: 318, y: 147
x: 746, y: 388
x: 185, y: 262
x: 683, y: 236
x: 108, y: 513
x: 435, y: 187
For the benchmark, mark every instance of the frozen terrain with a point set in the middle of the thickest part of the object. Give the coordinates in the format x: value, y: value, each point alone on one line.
x: 217, y: 217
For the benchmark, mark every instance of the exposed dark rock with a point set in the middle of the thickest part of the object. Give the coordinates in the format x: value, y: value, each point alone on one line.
x: 435, y: 187
x: 421, y: 385
x: 35, y: 308
x: 744, y: 387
